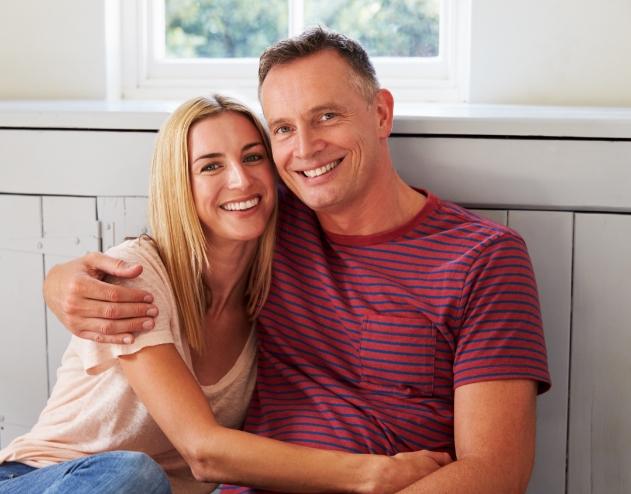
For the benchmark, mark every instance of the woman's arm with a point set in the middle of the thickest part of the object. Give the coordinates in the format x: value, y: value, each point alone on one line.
x: 167, y: 388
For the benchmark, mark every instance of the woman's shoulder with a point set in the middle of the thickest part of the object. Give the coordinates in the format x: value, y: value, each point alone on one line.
x: 137, y: 251
x: 143, y: 251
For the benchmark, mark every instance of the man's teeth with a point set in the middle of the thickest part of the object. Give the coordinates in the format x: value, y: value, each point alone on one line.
x: 323, y: 169
x: 241, y: 206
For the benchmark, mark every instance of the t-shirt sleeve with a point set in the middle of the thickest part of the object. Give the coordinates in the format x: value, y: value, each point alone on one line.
x: 98, y: 357
x: 501, y: 335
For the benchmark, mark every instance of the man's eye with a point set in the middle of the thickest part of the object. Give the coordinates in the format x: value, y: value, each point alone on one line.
x: 283, y: 129
x: 327, y: 116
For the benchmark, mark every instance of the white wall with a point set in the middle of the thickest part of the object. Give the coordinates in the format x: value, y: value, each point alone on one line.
x: 551, y: 52
x: 52, y: 49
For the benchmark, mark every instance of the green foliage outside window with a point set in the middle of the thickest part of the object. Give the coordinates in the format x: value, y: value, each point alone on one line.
x: 388, y: 28
x: 243, y: 28
x: 223, y: 28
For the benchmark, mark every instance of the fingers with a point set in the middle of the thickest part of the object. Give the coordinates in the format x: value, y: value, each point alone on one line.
x: 118, y: 339
x: 111, y: 331
x: 91, y: 289
x: 441, y: 458
x: 99, y: 263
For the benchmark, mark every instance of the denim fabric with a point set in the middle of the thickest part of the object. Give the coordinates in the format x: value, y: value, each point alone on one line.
x: 120, y: 472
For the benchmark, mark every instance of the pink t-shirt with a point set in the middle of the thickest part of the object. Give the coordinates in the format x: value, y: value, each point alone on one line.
x: 93, y: 409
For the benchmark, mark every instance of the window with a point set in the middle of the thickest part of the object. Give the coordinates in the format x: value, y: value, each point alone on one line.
x: 181, y: 48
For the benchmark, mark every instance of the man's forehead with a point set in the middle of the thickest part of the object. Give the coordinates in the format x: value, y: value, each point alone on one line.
x: 308, y: 82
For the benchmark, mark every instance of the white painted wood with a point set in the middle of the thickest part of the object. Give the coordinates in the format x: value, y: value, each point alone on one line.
x: 548, y: 236
x: 136, y: 221
x: 511, y: 120
x: 23, y: 358
x: 82, y: 114
x: 70, y: 218
x: 111, y: 214
x: 20, y: 217
x: 8, y: 432
x: 409, y: 118
x: 534, y: 174
x: 78, y: 163
x: 58, y: 336
x: 121, y: 217
x: 600, y: 384
x: 498, y: 215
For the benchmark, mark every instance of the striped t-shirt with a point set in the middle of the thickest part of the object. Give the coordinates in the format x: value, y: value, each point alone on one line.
x: 363, y: 339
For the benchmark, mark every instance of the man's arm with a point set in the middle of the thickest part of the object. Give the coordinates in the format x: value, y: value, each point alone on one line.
x: 94, y: 310
x: 494, y: 429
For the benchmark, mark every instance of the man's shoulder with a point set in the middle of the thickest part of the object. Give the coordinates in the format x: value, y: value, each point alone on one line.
x: 459, y: 223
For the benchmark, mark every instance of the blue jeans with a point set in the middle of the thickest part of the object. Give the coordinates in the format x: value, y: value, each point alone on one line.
x: 117, y: 472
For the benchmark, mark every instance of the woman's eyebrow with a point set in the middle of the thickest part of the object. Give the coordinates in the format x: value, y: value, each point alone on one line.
x: 209, y: 156
x: 251, y: 145
x: 221, y: 155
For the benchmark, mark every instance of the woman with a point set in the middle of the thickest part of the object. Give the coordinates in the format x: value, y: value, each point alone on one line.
x: 179, y: 394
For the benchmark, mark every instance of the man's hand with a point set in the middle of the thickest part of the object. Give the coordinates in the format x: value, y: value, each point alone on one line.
x: 407, y: 468
x: 94, y: 310
x: 494, y: 428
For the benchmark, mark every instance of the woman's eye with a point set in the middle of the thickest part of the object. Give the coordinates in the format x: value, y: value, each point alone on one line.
x: 210, y: 167
x: 253, y: 158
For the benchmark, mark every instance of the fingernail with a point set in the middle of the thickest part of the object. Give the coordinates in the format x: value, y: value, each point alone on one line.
x: 127, y: 340
x: 148, y: 299
x: 152, y: 312
x: 147, y: 324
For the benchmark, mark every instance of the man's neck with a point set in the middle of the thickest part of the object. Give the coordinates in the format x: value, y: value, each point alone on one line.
x: 386, y: 207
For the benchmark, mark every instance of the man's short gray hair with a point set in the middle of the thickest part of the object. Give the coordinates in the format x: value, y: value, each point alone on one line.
x: 314, y: 40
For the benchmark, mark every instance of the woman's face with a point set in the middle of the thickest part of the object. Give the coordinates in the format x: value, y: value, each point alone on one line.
x: 231, y: 178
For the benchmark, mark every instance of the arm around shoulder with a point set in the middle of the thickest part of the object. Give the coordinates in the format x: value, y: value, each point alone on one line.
x: 92, y: 309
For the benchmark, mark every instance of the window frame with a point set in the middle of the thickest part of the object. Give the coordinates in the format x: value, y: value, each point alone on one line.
x: 146, y: 75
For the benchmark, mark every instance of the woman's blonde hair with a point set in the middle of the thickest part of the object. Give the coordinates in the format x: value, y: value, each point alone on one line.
x: 175, y: 226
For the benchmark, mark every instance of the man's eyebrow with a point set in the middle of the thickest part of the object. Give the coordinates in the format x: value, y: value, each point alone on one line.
x: 332, y: 107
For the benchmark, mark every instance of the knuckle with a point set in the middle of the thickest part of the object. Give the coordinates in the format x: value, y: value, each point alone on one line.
x: 110, y: 312
x: 119, y: 264
x: 68, y: 307
x: 98, y: 338
x: 75, y: 287
x: 113, y: 295
x: 106, y: 328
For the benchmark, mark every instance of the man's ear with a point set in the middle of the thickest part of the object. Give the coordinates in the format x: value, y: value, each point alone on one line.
x: 384, y: 105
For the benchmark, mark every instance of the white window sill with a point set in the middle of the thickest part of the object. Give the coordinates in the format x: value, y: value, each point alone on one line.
x: 410, y: 118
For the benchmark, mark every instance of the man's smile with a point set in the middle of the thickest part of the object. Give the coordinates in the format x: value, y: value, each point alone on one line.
x: 322, y: 170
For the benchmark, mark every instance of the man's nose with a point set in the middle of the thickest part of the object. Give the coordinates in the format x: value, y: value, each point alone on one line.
x: 239, y: 176
x: 307, y: 143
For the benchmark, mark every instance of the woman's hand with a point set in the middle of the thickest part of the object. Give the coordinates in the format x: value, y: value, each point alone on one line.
x: 94, y: 310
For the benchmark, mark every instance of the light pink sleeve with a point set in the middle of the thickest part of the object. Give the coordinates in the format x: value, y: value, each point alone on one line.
x: 98, y: 357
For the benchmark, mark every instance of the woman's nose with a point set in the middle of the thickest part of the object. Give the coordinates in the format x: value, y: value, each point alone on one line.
x: 239, y: 176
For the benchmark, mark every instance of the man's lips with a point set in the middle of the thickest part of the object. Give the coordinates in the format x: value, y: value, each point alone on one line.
x: 316, y: 172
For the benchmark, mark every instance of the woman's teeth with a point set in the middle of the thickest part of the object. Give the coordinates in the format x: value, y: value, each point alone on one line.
x: 241, y: 206
x: 323, y: 169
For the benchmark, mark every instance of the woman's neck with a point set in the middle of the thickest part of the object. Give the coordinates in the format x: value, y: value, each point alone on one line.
x: 228, y: 276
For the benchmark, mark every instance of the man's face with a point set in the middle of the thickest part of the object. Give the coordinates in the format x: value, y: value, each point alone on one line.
x: 325, y: 137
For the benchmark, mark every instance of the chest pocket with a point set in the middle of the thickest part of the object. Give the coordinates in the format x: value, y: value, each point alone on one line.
x: 397, y: 355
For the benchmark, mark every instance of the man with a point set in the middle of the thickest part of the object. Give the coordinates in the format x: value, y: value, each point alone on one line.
x: 396, y: 321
